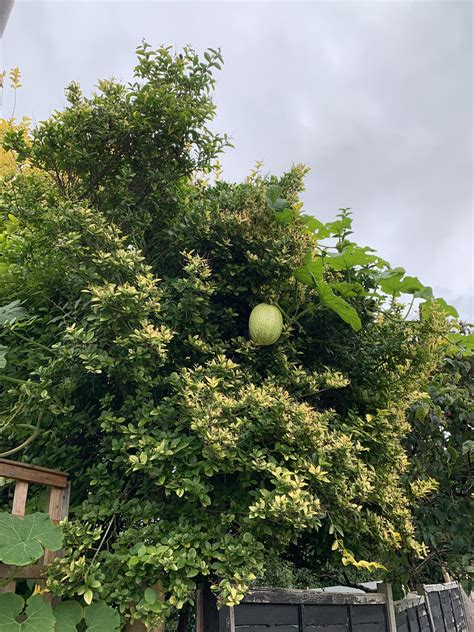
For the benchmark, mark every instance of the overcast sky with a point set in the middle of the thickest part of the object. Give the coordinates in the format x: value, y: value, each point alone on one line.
x: 375, y: 97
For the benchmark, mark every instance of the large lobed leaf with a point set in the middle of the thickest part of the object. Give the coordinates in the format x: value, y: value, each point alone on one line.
x: 23, y: 540
x: 39, y: 614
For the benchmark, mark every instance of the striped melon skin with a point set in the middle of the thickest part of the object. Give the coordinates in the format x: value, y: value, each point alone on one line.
x: 265, y: 324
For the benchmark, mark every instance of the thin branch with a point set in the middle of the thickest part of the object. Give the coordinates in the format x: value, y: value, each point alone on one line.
x: 31, y: 438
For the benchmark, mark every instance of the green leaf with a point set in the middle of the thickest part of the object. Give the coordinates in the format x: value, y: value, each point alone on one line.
x: 3, y: 356
x: 310, y: 272
x: 348, y: 290
x: 426, y: 293
x: 285, y: 217
x: 39, y: 615
x: 465, y: 341
x: 352, y: 256
x: 68, y: 614
x: 467, y: 447
x: 339, y: 226
x: 274, y: 201
x: 441, y: 304
x: 23, y: 540
x: 395, y: 283
x: 101, y: 618
x: 422, y: 412
x: 338, y: 305
x: 150, y: 596
x: 12, y: 312
x: 316, y: 227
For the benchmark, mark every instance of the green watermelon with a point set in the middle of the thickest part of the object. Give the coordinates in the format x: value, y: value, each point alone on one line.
x: 265, y: 324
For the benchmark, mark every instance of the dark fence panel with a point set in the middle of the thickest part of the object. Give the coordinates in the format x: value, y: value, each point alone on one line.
x: 411, y: 615
x: 281, y: 610
x: 444, y: 603
x: 439, y: 609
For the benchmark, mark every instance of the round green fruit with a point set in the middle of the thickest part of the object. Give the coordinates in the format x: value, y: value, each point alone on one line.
x: 265, y: 324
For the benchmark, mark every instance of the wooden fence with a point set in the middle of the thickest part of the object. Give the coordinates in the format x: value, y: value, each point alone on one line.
x: 57, y: 506
x: 438, y: 609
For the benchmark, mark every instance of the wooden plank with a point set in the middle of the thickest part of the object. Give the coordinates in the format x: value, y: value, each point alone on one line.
x: 19, y: 498
x: 266, y: 614
x: 439, y: 587
x: 338, y: 627
x: 301, y: 617
x: 408, y: 602
x: 226, y: 619
x: 386, y: 589
x: 457, y: 610
x: 326, y: 615
x: 290, y: 596
x: 368, y: 627
x: 429, y: 612
x: 18, y: 509
x: 55, y: 504
x: 55, y: 509
x: 34, y: 571
x: 402, y: 621
x: 32, y: 473
x: 423, y: 620
x: 267, y: 628
x: 199, y: 611
x: 214, y: 620
x: 369, y: 614
x: 412, y: 616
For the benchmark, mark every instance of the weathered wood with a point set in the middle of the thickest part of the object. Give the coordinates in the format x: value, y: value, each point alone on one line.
x: 57, y: 508
x: 326, y: 615
x: 266, y: 614
x: 19, y: 498
x: 408, y: 602
x: 439, y: 587
x: 212, y: 619
x: 199, y: 610
x: 386, y: 589
x: 34, y: 571
x: 268, y: 628
x: 18, y: 509
x: 283, y: 595
x: 373, y: 613
x: 32, y: 473
x: 402, y: 621
x: 337, y: 627
x: 57, y: 505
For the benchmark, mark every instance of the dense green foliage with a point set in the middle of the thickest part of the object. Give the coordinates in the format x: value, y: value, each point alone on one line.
x: 128, y: 276
x: 440, y: 445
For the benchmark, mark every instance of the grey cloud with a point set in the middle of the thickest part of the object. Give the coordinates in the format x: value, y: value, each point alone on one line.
x: 375, y: 97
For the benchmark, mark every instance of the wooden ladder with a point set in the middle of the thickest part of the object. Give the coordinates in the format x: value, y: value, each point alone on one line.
x: 57, y: 507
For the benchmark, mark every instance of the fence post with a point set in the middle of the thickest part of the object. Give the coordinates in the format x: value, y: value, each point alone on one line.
x: 420, y: 589
x: 386, y: 589
x: 208, y: 617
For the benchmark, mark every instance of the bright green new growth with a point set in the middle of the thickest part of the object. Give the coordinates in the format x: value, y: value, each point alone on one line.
x: 196, y: 454
x: 265, y: 324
